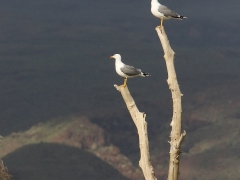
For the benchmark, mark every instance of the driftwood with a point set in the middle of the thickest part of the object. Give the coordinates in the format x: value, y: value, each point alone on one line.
x: 141, y: 124
x: 176, y: 136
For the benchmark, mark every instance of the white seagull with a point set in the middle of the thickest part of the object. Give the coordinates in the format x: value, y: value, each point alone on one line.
x: 163, y: 12
x: 126, y: 71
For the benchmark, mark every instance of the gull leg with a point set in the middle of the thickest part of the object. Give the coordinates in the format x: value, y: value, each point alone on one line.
x: 159, y: 25
x: 125, y: 82
x: 161, y: 21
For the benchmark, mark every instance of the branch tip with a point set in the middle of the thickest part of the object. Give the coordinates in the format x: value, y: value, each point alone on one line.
x: 184, y: 133
x: 117, y: 87
x: 144, y: 115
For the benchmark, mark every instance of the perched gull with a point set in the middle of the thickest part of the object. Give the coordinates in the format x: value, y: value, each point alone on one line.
x: 163, y: 12
x: 126, y: 71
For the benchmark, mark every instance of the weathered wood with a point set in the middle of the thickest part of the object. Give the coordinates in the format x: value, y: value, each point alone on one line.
x: 141, y: 124
x: 176, y: 136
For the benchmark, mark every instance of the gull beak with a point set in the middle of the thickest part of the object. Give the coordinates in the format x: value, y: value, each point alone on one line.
x: 111, y: 57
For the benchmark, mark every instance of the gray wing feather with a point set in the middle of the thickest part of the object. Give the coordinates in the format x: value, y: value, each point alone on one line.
x: 167, y: 12
x: 130, y: 70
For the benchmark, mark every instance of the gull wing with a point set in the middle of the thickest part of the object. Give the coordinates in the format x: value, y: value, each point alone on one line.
x: 130, y: 70
x: 167, y: 12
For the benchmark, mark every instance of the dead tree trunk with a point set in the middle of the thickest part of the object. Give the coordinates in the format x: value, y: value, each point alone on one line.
x: 176, y: 136
x: 141, y: 124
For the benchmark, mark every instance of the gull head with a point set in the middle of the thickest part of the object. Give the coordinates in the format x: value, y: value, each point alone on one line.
x: 116, y: 56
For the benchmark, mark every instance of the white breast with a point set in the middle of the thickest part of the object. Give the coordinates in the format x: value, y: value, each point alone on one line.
x: 154, y: 10
x: 119, y: 65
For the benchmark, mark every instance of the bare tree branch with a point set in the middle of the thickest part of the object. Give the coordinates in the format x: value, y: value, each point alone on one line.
x: 141, y: 124
x: 176, y: 136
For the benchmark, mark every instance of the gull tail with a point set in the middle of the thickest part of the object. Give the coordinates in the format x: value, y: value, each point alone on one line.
x: 182, y: 17
x: 143, y: 74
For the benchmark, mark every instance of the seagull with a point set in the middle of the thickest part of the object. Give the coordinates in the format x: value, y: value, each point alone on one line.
x: 163, y: 12
x: 126, y: 71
